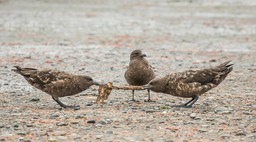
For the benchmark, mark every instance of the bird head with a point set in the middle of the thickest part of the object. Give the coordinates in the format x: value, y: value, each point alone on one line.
x: 86, y: 81
x: 156, y: 85
x: 137, y: 54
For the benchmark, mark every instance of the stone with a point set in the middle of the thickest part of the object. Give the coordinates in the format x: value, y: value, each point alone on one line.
x: 91, y: 121
x: 29, y: 125
x: 150, y: 111
x: 202, y: 130
x: 109, y: 132
x: 62, y: 138
x: 54, y: 115
x: 2, y: 125
x: 76, y: 107
x: 15, y: 125
x: 223, y: 110
x: 240, y: 133
x: 192, y: 115
x: 99, y: 136
x: 21, y: 133
x: 34, y: 99
x: 74, y: 122
x: 52, y: 140
x: 105, y: 121
x: 98, y: 125
x: 102, y: 122
x: 225, y: 136
x: 89, y: 104
x: 247, y: 113
x: 79, y: 116
x: 62, y: 124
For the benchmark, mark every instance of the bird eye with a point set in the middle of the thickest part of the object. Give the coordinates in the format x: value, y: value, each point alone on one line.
x: 88, y: 78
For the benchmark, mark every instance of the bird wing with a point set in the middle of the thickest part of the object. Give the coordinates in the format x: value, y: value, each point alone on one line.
x: 192, y: 89
x: 46, y: 78
x: 139, y: 72
x: 59, y: 84
x: 211, y: 75
x: 196, y: 82
x: 59, y: 87
x: 49, y: 77
x: 203, y: 76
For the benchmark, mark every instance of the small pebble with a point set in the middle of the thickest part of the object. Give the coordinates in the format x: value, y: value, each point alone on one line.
x: 2, y: 125
x: 240, y: 133
x: 15, y: 125
x: 34, y: 100
x: 150, y: 111
x: 225, y: 136
x: 109, y: 132
x: 91, y: 121
x: 77, y: 108
x: 192, y: 115
x: 21, y: 133
x: 98, y: 125
x: 62, y: 124
x: 54, y: 115
x: 223, y: 110
x: 29, y: 125
x: 74, y: 122
x: 79, y: 116
x: 99, y: 136
x: 89, y: 104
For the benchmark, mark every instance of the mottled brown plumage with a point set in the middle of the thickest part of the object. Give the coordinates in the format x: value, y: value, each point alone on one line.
x: 139, y: 71
x: 56, y: 83
x: 191, y: 83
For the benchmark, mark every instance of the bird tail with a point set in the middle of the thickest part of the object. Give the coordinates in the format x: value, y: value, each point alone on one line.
x: 23, y: 71
x: 223, y: 70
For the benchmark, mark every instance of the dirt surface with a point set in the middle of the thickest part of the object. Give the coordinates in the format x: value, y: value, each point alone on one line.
x: 95, y: 38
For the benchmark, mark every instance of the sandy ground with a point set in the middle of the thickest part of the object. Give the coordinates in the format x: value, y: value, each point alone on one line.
x: 95, y: 37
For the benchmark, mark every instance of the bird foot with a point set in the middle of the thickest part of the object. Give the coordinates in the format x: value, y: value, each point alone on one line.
x: 73, y: 107
x: 187, y: 106
x: 133, y: 100
x: 149, y: 100
x: 182, y: 106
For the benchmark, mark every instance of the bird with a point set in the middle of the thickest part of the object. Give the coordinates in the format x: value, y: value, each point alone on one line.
x: 191, y: 83
x: 56, y: 83
x: 139, y: 71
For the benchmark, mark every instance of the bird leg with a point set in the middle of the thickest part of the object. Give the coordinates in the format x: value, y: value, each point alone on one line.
x: 133, y: 97
x: 192, y: 101
x: 149, y: 100
x: 63, y: 105
x: 189, y: 103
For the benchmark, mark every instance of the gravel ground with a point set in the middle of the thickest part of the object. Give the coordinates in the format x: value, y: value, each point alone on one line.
x: 95, y: 37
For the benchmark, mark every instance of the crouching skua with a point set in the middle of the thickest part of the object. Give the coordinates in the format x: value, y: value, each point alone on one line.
x: 191, y: 83
x: 56, y: 83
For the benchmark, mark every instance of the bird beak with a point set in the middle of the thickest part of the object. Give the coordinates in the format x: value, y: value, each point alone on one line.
x: 146, y: 86
x: 143, y: 55
x: 96, y: 83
